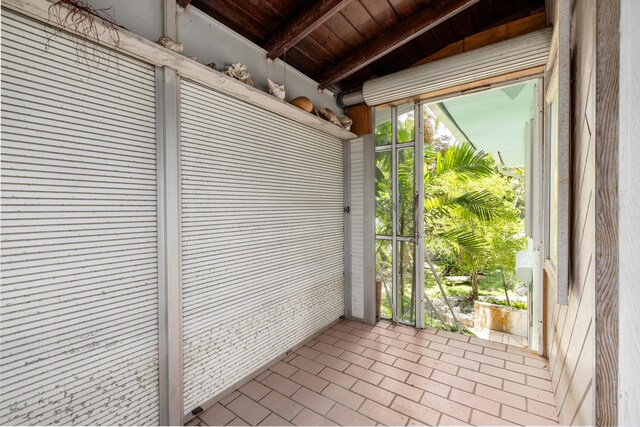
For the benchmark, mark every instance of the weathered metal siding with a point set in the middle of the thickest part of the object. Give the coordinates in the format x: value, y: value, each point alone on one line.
x: 262, y: 237
x: 356, y: 217
x: 79, y: 248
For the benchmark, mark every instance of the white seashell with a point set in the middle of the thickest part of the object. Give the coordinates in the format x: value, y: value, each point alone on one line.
x: 276, y: 89
x: 239, y: 72
x: 171, y: 44
x: 345, y: 122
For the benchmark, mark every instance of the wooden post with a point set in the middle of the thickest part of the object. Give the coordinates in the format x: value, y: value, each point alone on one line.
x: 606, y: 210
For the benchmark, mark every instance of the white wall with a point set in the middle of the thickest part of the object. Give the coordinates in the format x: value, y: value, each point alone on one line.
x: 629, y: 219
x: 210, y: 41
x: 143, y: 17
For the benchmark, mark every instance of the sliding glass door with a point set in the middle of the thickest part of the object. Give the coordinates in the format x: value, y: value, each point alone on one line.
x: 399, y: 207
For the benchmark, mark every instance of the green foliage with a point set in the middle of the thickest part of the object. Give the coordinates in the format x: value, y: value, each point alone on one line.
x: 450, y: 327
x: 514, y: 304
x: 382, y: 133
x: 463, y: 160
x: 473, y: 215
x: 490, y: 285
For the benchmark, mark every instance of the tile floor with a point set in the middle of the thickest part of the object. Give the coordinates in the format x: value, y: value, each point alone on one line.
x: 356, y: 374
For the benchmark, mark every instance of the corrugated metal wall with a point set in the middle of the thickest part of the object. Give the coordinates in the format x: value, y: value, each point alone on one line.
x: 262, y: 237
x: 79, y: 241
x: 356, y: 229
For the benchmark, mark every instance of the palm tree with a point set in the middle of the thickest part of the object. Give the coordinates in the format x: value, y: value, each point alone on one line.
x: 443, y: 209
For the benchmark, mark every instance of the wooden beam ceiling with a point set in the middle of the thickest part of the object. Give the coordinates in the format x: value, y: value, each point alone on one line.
x: 302, y: 25
x: 493, y: 35
x: 404, y: 31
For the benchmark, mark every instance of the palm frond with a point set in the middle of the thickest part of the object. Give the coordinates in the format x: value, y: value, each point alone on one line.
x: 465, y: 241
x: 465, y: 160
x: 481, y: 204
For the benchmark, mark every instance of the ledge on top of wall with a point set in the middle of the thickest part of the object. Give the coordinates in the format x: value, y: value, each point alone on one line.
x: 148, y: 51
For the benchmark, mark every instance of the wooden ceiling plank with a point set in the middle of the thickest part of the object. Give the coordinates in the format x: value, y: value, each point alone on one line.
x: 421, y: 21
x: 329, y: 41
x: 234, y: 17
x: 311, y: 47
x: 303, y: 24
x: 382, y: 12
x: 343, y: 29
x: 361, y: 20
x: 487, y: 37
x: 301, y: 62
x: 444, y: 34
x: 403, y: 8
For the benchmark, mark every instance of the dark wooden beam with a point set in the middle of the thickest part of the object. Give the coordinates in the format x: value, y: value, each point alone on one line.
x: 308, y: 20
x: 404, y: 31
x: 184, y: 3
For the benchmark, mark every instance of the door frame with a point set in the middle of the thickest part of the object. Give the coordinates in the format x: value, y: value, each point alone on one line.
x: 537, y: 196
x: 418, y: 195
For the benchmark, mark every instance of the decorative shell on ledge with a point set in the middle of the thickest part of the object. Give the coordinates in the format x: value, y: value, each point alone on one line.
x: 171, y: 44
x: 303, y: 103
x: 239, y: 72
x: 276, y: 89
x: 346, y: 122
x: 328, y: 115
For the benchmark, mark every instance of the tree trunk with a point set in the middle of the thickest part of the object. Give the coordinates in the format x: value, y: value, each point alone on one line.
x: 504, y: 285
x: 474, y: 285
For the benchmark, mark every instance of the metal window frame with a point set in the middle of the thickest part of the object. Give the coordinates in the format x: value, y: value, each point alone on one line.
x: 394, y: 213
x: 418, y: 159
x: 369, y: 227
x: 418, y: 173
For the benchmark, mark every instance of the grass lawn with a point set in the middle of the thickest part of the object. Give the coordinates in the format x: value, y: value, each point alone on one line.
x: 489, y: 286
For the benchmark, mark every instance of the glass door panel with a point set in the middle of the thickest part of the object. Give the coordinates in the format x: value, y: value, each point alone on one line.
x: 406, y: 281
x: 382, y: 134
x: 384, y: 193
x: 398, y: 210
x: 384, y: 265
x: 405, y: 123
x: 406, y: 197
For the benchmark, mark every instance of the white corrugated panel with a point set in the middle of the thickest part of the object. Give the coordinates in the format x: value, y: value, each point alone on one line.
x: 356, y: 228
x: 79, y: 248
x: 519, y: 53
x: 262, y: 237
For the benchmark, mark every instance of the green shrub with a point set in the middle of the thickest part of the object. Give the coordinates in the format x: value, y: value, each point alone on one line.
x: 514, y: 304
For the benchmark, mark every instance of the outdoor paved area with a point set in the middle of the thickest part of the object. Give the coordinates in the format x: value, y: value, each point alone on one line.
x: 501, y: 337
x: 356, y: 374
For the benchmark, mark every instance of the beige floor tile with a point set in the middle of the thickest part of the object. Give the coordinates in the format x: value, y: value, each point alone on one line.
x: 355, y: 374
x: 217, y: 415
x: 281, y: 405
x: 248, y: 410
